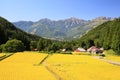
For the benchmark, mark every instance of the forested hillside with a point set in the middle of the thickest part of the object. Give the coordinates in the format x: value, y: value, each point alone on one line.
x: 10, y: 35
x: 106, y: 35
x: 9, y: 31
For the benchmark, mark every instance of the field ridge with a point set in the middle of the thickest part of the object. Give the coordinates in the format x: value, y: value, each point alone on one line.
x: 48, y: 68
x: 5, y: 56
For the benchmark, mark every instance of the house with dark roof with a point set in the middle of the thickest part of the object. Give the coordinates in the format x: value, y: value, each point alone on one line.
x: 95, y: 50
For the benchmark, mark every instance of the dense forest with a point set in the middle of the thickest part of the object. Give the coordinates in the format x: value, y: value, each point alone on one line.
x: 9, y: 31
x: 106, y: 35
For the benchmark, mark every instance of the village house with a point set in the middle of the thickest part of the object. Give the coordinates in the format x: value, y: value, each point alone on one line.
x: 95, y: 50
x: 35, y: 49
x: 63, y: 50
x: 80, y: 50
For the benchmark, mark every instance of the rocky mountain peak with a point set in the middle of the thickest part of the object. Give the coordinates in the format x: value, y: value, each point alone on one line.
x: 102, y: 18
x: 45, y: 20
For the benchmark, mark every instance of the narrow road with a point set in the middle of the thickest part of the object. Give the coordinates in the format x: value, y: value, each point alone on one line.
x: 112, y: 62
x: 108, y: 61
x: 48, y: 68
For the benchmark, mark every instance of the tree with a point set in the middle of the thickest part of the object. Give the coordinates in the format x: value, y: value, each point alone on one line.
x: 1, y: 47
x: 54, y: 47
x: 22, y: 37
x: 40, y: 45
x: 13, y: 46
x: 33, y: 45
x: 3, y: 35
x: 67, y: 45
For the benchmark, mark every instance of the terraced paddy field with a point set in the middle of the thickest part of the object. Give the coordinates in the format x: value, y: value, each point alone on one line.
x: 82, y: 67
x: 26, y: 66
x: 23, y: 66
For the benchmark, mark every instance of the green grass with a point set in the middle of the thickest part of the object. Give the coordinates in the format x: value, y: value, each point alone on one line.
x: 110, y: 53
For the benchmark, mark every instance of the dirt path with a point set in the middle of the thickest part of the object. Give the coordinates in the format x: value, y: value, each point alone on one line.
x: 108, y: 61
x: 52, y: 72
x: 49, y: 69
x: 112, y: 62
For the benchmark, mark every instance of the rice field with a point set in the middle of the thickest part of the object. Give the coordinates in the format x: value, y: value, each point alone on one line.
x: 22, y: 66
x: 113, y: 58
x: 25, y: 66
x: 82, y: 67
x: 111, y: 55
x: 2, y: 54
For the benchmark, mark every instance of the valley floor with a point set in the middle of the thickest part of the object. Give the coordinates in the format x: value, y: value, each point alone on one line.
x: 39, y: 66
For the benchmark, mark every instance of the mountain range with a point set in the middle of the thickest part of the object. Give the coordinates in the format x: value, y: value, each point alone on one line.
x: 67, y: 29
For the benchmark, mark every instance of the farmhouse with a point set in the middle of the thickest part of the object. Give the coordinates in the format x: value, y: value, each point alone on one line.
x: 95, y: 50
x: 80, y: 50
x: 63, y: 50
x: 35, y: 49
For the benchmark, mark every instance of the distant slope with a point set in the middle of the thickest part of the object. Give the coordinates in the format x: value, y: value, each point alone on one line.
x: 9, y: 31
x: 24, y: 25
x: 106, y: 35
x: 71, y: 28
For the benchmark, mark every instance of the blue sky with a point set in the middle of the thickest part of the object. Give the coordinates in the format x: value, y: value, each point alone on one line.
x: 33, y: 10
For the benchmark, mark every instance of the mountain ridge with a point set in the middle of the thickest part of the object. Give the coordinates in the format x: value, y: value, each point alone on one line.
x: 69, y: 28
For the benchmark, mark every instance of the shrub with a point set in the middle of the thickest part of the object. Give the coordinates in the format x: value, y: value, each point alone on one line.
x: 13, y: 46
x: 110, y: 52
x: 103, y: 55
x: 1, y: 47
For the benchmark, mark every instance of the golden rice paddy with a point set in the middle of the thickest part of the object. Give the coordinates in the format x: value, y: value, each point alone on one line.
x: 2, y: 54
x: 113, y: 58
x: 24, y: 66
x: 82, y: 67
